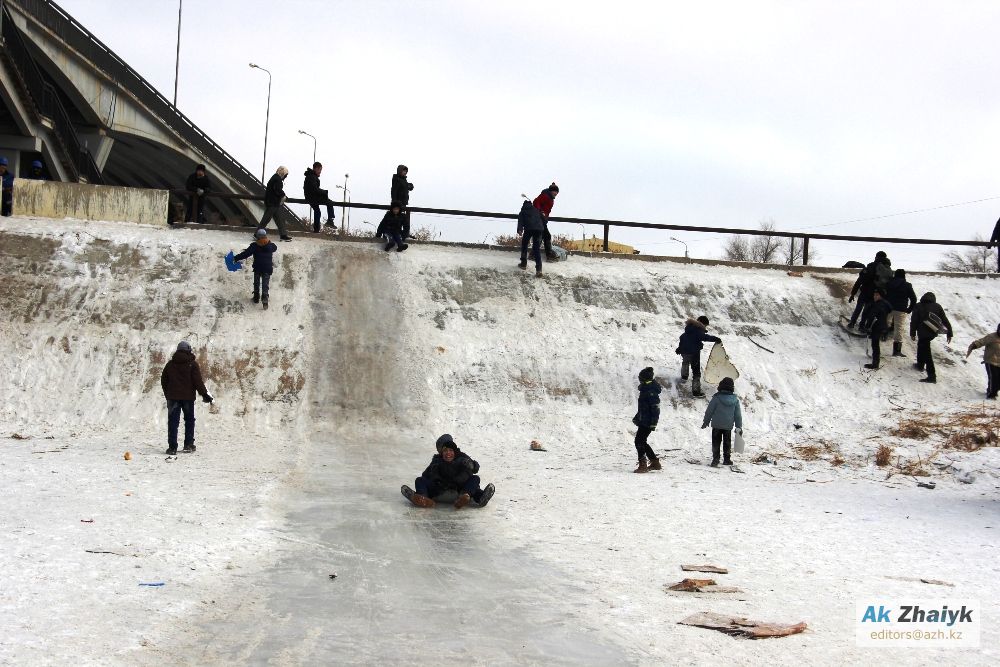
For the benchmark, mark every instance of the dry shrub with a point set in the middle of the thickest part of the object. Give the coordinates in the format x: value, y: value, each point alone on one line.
x: 512, y: 241
x: 808, y: 452
x: 837, y: 460
x: 968, y: 430
x: 883, y: 455
x: 913, y: 428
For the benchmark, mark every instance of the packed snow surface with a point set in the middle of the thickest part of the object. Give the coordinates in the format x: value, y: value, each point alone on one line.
x: 332, y: 399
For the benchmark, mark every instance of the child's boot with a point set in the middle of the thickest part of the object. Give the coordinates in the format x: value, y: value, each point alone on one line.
x: 654, y: 464
x: 727, y: 454
x: 715, y: 455
x: 897, y: 350
x: 642, y: 465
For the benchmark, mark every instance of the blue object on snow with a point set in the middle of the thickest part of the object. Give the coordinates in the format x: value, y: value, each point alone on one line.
x: 231, y: 263
x: 154, y: 583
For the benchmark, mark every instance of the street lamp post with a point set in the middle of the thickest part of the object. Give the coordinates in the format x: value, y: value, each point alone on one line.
x: 177, y: 62
x: 267, y: 120
x: 686, y: 255
x: 314, y: 143
x: 344, y: 211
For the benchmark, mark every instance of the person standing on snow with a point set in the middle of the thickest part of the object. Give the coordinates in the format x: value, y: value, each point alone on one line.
x: 180, y: 379
x: 690, y: 347
x: 876, y: 275
x: 991, y: 358
x: 880, y: 310
x: 646, y: 419
x: 928, y: 321
x: 263, y: 265
x: 723, y: 413
x: 199, y: 184
x: 391, y: 228
x: 400, y: 192
x: 449, y: 470
x: 530, y: 227
x: 901, y: 296
x: 7, y: 193
x: 544, y: 202
x: 316, y: 196
x: 274, y: 197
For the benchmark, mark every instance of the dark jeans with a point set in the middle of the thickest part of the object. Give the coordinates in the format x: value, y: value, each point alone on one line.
x: 868, y: 314
x: 992, y: 380
x: 6, y: 204
x: 316, y: 213
x: 534, y: 238
x: 924, y: 358
x: 174, y: 410
x: 434, y: 487
x: 858, y: 307
x: 406, y: 225
x: 876, y: 338
x: 191, y: 217
x: 271, y: 213
x: 394, y: 240
x: 641, y: 446
x: 261, y: 285
x: 724, y: 437
x: 692, y: 362
x: 547, y: 238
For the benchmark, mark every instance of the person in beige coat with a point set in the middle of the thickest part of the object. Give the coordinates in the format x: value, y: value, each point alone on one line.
x: 991, y: 357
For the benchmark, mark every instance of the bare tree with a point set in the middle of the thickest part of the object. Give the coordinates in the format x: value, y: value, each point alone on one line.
x: 765, y: 249
x: 736, y: 249
x: 977, y: 259
x: 794, y: 250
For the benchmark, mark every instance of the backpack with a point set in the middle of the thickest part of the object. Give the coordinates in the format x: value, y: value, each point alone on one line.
x: 526, y: 217
x: 883, y: 274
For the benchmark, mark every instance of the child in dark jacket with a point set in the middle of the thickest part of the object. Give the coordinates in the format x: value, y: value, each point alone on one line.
x: 391, y: 227
x: 690, y: 346
x: 646, y: 419
x: 450, y: 469
x: 263, y: 265
x: 723, y: 412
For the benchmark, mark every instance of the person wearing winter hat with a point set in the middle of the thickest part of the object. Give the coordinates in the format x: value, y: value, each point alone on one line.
x: 262, y: 250
x: 876, y: 274
x: 391, y: 228
x: 7, y: 192
x: 929, y: 319
x: 723, y: 413
x: 880, y: 310
x: 646, y: 420
x: 449, y: 470
x: 544, y: 202
x: 274, y: 197
x: 991, y: 358
x: 199, y: 184
x: 180, y: 380
x: 899, y: 292
x: 690, y: 347
x: 37, y: 171
x: 400, y: 192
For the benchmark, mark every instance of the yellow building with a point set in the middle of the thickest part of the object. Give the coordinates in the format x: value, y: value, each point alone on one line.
x: 594, y: 244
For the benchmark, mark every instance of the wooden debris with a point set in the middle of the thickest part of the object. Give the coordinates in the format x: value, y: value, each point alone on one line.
x: 701, y: 586
x: 18, y: 436
x: 715, y: 569
x: 795, y: 274
x: 736, y: 626
x: 536, y: 446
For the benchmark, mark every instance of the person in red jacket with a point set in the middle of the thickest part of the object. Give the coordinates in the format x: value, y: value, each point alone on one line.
x: 544, y: 202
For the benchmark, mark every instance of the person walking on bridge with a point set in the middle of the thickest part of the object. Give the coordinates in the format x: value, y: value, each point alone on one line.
x: 199, y: 184
x: 316, y: 196
x: 274, y: 197
x: 544, y: 202
x: 400, y: 193
x: 180, y: 379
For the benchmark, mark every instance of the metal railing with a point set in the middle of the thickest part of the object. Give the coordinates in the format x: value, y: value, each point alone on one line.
x: 45, y: 103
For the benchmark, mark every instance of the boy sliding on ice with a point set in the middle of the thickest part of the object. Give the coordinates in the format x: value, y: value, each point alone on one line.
x: 263, y: 265
x: 723, y: 413
x: 646, y: 419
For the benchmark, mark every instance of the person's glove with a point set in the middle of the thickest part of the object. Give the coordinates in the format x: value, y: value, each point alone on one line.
x: 740, y: 431
x: 200, y: 191
x: 851, y: 300
x: 653, y: 427
x: 284, y: 199
x: 207, y: 398
x: 409, y: 187
x: 948, y: 340
x: 704, y: 425
x: 913, y: 337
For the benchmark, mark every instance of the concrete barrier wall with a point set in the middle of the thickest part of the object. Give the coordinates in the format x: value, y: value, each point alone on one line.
x: 48, y: 199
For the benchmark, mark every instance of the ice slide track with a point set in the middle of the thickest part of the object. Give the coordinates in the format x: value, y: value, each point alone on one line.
x: 411, y: 584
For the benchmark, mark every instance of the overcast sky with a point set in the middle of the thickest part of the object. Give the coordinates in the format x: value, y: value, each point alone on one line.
x: 709, y: 113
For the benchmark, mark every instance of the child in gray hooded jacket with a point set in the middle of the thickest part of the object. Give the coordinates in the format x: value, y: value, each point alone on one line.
x: 723, y: 413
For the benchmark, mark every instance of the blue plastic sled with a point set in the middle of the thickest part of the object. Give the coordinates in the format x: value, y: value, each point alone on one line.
x: 231, y: 263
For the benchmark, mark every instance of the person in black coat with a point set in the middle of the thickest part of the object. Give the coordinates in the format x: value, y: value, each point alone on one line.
x: 646, y: 420
x: 900, y: 295
x: 880, y: 310
x: 450, y: 470
x: 274, y: 197
x: 262, y: 251
x: 391, y: 228
x: 316, y: 196
x: 995, y: 241
x: 530, y: 227
x: 199, y: 184
x: 874, y: 276
x: 690, y: 346
x: 929, y: 319
x: 400, y: 192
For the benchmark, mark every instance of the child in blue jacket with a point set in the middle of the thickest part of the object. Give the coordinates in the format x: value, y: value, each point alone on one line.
x: 723, y: 413
x: 263, y: 264
x: 646, y: 419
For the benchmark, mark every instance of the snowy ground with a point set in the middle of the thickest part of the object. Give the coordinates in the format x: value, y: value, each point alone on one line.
x: 364, y: 358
